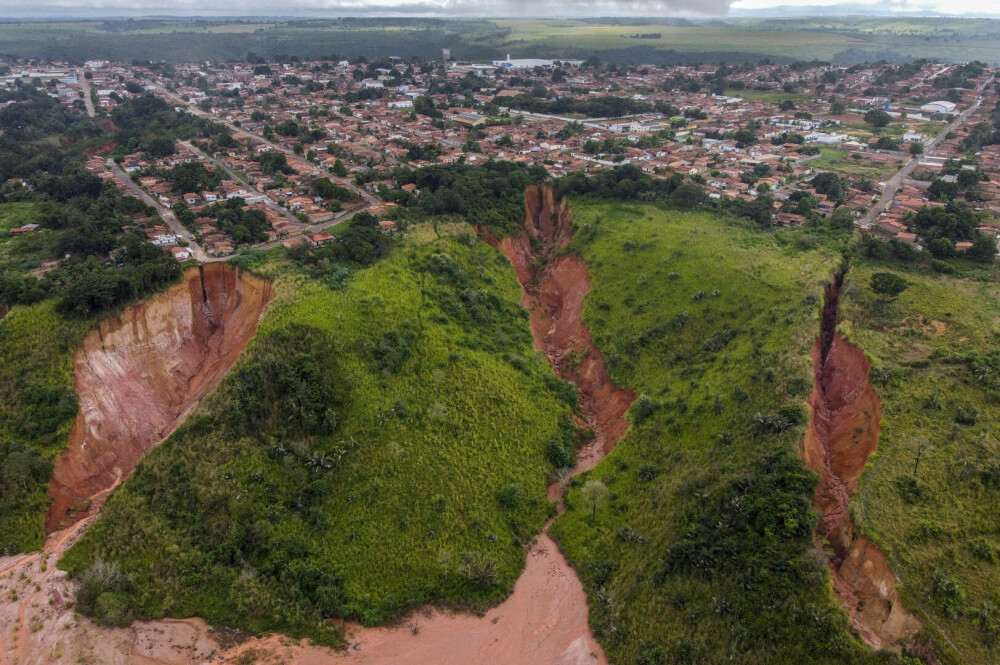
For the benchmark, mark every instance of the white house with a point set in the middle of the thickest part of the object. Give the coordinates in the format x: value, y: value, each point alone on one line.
x: 164, y: 239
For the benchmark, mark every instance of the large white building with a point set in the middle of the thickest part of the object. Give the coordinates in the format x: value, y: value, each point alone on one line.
x: 523, y: 63
x: 938, y: 107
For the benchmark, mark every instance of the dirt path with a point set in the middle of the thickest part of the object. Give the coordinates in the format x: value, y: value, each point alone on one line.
x: 843, y: 433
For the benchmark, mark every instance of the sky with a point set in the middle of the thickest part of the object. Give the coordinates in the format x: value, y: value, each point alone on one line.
x: 513, y: 8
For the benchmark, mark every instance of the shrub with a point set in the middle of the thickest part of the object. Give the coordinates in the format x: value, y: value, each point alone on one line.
x: 982, y: 550
x: 947, y: 594
x: 102, y: 593
x: 509, y: 496
x: 559, y: 454
x: 646, y: 473
x: 967, y: 415
x: 643, y: 409
x: 479, y: 568
x: 911, y: 490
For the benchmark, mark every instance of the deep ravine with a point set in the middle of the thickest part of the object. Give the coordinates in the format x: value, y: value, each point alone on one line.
x: 138, y: 374
x: 843, y: 432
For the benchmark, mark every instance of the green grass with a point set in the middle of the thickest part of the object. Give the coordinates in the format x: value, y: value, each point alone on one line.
x: 561, y: 34
x: 702, y: 551
x: 25, y: 252
x: 921, y: 347
x: 840, y: 161
x: 419, y: 384
x: 13, y: 215
x: 37, y: 410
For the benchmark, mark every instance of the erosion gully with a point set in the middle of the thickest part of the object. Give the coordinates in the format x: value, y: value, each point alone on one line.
x: 843, y: 432
x: 139, y: 374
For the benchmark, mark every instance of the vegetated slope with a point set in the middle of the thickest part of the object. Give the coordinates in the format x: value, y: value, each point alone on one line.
x: 378, y: 448
x: 138, y: 373
x: 36, y: 413
x: 694, y: 537
x: 930, y: 495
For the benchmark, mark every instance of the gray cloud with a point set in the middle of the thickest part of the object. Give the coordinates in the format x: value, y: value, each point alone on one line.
x: 489, y: 8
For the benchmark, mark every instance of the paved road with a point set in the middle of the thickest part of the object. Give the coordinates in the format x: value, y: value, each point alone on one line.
x: 168, y: 216
x: 268, y: 201
x: 85, y: 89
x: 893, y: 184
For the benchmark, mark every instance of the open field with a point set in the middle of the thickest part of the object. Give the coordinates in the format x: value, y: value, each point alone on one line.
x: 23, y: 253
x: 934, y: 367
x: 841, y: 161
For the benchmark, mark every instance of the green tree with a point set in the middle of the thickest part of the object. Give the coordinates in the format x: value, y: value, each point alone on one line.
x: 941, y: 248
x: 888, y: 286
x: 594, y: 493
x: 984, y: 249
x: 339, y: 169
x: 878, y: 118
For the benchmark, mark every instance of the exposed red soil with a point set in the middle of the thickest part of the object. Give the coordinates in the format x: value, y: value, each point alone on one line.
x: 545, y: 619
x: 543, y: 622
x: 138, y: 374
x: 554, y: 286
x: 843, y: 432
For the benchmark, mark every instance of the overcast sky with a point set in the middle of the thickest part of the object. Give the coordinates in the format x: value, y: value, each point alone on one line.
x: 15, y: 8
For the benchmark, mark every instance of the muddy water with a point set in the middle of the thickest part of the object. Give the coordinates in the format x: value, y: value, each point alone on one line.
x: 843, y: 432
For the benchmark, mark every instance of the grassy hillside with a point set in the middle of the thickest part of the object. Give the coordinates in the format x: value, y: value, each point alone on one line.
x: 694, y: 537
x: 378, y: 447
x: 36, y: 412
x: 936, y: 369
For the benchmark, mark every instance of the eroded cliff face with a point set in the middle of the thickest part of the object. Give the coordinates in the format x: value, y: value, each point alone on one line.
x: 553, y: 289
x: 139, y: 373
x: 843, y: 432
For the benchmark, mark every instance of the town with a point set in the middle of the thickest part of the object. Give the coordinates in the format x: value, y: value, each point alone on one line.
x: 591, y: 340
x: 314, y: 143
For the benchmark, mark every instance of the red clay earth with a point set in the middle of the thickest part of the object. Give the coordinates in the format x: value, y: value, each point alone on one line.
x: 543, y: 622
x: 843, y: 432
x: 138, y: 375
